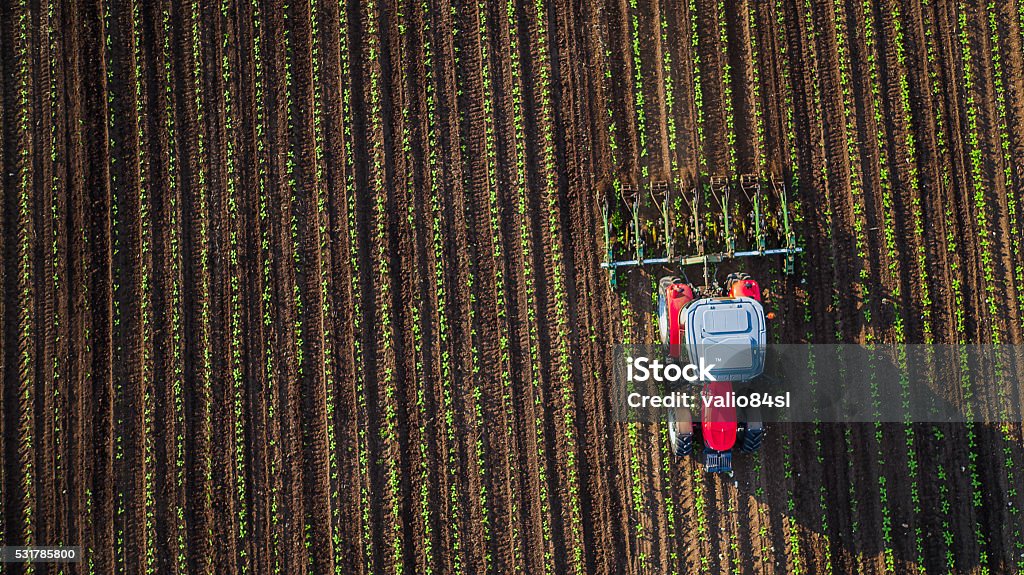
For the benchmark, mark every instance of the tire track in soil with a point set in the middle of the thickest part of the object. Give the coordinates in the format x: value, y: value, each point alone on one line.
x: 412, y: 173
x: 485, y: 251
x: 578, y: 218
x: 438, y: 347
x: 465, y: 179
x: 525, y: 341
x: 222, y: 401
x: 615, y: 442
x: 345, y: 299
x: 311, y: 410
x: 425, y: 159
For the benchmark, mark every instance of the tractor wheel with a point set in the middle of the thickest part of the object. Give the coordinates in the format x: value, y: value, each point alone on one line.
x: 752, y: 439
x: 663, y: 320
x: 753, y: 431
x: 680, y: 432
x: 735, y: 277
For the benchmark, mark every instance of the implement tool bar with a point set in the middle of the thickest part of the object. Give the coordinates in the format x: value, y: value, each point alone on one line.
x: 707, y: 258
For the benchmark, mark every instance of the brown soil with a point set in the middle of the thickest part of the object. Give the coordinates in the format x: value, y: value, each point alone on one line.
x: 314, y: 287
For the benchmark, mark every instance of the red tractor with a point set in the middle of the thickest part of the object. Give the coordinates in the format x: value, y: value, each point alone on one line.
x: 724, y: 323
x: 727, y: 330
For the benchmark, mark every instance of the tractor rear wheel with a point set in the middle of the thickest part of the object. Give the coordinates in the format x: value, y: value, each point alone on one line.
x: 680, y: 432
x: 751, y: 437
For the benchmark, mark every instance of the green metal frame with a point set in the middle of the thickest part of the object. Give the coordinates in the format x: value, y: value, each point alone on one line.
x: 720, y: 189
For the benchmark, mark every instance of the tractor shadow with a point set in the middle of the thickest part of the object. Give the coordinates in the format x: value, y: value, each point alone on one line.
x: 854, y: 502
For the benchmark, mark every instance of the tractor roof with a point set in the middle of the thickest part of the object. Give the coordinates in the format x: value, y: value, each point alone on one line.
x: 727, y: 332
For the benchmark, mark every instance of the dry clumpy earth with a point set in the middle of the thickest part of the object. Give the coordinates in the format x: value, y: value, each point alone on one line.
x: 313, y: 286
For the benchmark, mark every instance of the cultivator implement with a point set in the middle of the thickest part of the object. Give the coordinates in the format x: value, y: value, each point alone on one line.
x: 664, y: 219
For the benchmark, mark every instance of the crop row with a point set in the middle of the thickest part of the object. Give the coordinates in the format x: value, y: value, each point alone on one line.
x: 981, y: 218
x: 426, y: 544
x: 175, y: 300
x: 25, y: 313
x: 145, y: 303
x: 234, y: 304
x: 545, y: 102
x: 267, y: 305
x: 443, y: 329
x: 854, y: 165
x: 671, y: 133
x: 637, y: 492
x: 931, y: 50
x: 890, y: 229
x: 1009, y: 183
x: 726, y: 71
x: 521, y: 186
x: 110, y: 67
x: 779, y: 22
x: 326, y: 310
x: 910, y: 145
x: 417, y: 314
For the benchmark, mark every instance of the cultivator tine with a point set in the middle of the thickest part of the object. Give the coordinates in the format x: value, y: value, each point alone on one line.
x: 720, y: 191
x: 631, y: 198
x: 695, y: 234
x: 779, y: 189
x: 751, y: 187
x: 661, y: 193
x: 606, y: 207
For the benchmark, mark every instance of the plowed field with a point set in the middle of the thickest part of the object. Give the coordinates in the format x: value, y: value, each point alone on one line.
x: 313, y: 286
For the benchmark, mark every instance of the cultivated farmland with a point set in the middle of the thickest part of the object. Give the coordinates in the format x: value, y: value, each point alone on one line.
x: 313, y: 286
